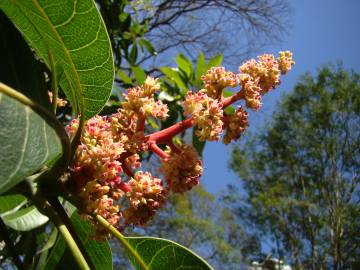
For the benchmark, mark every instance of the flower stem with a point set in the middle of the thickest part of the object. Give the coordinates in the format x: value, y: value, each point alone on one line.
x: 158, y: 151
x: 122, y: 240
x: 167, y: 134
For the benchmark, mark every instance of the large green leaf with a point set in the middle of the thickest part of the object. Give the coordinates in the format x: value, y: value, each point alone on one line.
x: 99, y: 251
x: 27, y: 141
x: 162, y: 254
x: 25, y: 219
x: 73, y: 34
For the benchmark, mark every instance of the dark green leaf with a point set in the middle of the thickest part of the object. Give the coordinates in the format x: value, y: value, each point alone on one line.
x: 73, y: 33
x: 41, y: 265
x: 27, y: 142
x: 199, y: 145
x: 25, y: 219
x: 99, y: 251
x: 147, y: 44
x: 163, y: 254
x: 18, y: 67
x: 133, y: 54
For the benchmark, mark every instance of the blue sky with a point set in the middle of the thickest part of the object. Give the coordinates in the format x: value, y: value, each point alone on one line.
x: 322, y: 31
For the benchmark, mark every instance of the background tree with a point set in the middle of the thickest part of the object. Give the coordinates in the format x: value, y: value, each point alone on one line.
x: 302, y: 176
x: 140, y: 30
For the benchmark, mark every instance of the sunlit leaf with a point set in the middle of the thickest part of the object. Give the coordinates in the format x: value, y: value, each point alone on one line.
x: 25, y: 219
x: 163, y: 254
x: 215, y: 61
x: 73, y: 33
x: 200, y: 66
x: 174, y: 75
x: 139, y: 74
x: 184, y: 64
x: 11, y: 202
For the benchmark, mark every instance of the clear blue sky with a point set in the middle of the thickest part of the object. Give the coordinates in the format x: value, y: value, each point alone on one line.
x: 322, y: 31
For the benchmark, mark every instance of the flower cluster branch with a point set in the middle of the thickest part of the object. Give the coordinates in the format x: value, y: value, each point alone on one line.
x: 106, y: 171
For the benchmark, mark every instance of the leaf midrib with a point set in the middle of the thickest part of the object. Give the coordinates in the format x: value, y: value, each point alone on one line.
x: 62, y: 45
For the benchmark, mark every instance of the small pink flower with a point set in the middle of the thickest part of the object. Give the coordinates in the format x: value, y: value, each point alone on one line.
x: 235, y: 125
x: 216, y: 79
x: 207, y: 114
x: 183, y: 168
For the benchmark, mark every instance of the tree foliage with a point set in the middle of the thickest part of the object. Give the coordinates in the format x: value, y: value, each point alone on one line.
x: 302, y: 176
x: 140, y: 30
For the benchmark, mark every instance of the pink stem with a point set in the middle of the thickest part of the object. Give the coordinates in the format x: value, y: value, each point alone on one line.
x: 174, y: 148
x: 127, y: 169
x: 140, y: 125
x: 167, y: 134
x: 157, y: 150
x: 230, y: 100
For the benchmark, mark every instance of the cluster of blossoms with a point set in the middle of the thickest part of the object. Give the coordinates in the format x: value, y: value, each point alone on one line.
x: 104, y: 171
x: 59, y: 101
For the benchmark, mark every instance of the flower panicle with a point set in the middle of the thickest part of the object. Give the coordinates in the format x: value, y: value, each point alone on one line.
x: 105, y: 171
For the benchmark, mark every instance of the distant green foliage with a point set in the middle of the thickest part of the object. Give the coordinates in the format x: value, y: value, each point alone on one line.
x: 302, y: 173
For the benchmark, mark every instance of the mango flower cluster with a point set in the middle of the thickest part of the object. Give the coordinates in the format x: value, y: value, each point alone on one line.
x: 105, y: 171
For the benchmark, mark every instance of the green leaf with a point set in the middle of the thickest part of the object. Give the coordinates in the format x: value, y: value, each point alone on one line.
x: 152, y: 123
x: 230, y: 110
x: 185, y: 65
x: 227, y: 93
x: 215, y: 61
x: 25, y: 219
x: 74, y: 34
x: 44, y: 252
x: 18, y: 67
x: 55, y: 255
x: 124, y: 77
x: 147, y: 44
x: 174, y: 76
x: 201, y: 66
x: 99, y: 251
x: 163, y: 254
x: 139, y: 74
x: 9, y: 202
x: 133, y: 54
x: 27, y: 141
